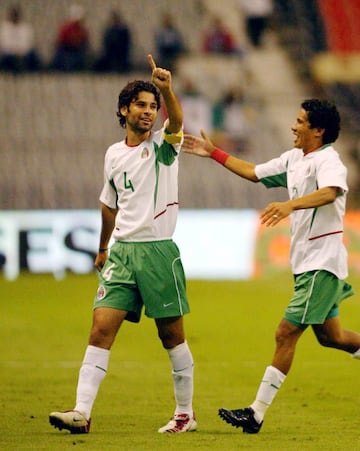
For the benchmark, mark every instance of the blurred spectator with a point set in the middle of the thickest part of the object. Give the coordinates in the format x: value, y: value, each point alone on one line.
x: 257, y: 17
x: 218, y: 39
x: 232, y: 116
x: 169, y: 42
x: 116, y: 46
x: 17, y: 51
x: 196, y: 107
x: 72, y: 43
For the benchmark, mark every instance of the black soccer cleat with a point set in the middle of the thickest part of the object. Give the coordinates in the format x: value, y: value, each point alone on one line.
x: 241, y: 418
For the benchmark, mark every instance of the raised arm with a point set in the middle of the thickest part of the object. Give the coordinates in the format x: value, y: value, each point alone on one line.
x: 162, y: 79
x: 204, y: 147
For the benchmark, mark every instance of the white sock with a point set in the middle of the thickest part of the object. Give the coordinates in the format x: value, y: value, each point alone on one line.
x: 356, y: 354
x: 270, y: 384
x: 91, y: 374
x: 183, y: 376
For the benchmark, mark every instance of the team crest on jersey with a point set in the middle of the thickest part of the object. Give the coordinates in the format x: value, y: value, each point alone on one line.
x: 145, y: 153
x: 101, y: 292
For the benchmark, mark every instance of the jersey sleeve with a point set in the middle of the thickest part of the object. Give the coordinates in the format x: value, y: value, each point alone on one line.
x: 108, y: 195
x: 332, y: 172
x: 273, y: 173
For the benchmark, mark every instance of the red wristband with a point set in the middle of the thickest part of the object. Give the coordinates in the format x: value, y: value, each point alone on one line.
x: 219, y: 155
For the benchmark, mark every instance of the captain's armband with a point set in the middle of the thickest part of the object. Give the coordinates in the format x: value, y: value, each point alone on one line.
x: 173, y: 138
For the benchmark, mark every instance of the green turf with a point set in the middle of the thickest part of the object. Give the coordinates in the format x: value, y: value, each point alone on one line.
x: 44, y: 329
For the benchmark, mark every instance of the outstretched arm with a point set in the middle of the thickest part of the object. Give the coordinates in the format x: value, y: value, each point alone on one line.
x: 162, y: 79
x: 204, y: 147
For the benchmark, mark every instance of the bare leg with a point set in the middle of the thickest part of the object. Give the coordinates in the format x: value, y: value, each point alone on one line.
x: 287, y: 336
x: 332, y: 335
x: 171, y: 331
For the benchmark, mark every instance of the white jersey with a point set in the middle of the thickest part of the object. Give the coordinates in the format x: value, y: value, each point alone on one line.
x: 142, y: 182
x: 316, y: 233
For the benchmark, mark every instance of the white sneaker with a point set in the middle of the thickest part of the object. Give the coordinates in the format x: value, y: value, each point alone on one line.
x: 72, y: 420
x: 180, y: 422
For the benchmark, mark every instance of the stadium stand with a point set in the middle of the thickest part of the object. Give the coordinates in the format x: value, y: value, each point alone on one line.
x: 342, y: 25
x: 323, y: 39
x: 301, y: 31
x: 142, y: 17
x: 55, y: 128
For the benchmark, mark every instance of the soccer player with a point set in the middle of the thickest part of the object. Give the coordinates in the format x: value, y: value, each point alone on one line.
x: 315, y: 179
x: 139, y: 206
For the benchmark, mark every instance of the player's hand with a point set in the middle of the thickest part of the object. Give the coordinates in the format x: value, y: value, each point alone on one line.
x: 100, y: 260
x: 275, y: 212
x: 203, y: 147
x: 160, y: 77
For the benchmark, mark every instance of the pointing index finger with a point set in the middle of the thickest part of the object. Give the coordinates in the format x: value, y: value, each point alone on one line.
x: 151, y: 62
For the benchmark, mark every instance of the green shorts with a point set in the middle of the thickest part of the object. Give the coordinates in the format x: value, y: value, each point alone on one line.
x: 148, y: 274
x: 317, y: 295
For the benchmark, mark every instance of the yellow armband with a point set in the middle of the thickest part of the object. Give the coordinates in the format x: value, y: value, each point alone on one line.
x: 173, y: 138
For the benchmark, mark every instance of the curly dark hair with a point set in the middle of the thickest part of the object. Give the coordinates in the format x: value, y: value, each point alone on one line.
x: 130, y: 93
x: 323, y: 114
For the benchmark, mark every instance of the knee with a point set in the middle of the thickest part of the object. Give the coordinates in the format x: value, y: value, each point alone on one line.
x: 101, y: 337
x: 281, y: 336
x: 169, y: 339
x: 287, y: 335
x: 170, y: 331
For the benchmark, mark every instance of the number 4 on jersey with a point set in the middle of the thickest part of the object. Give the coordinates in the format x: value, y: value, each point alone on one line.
x: 128, y: 183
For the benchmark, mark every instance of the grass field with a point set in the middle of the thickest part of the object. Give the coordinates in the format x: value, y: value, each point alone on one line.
x: 44, y: 329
